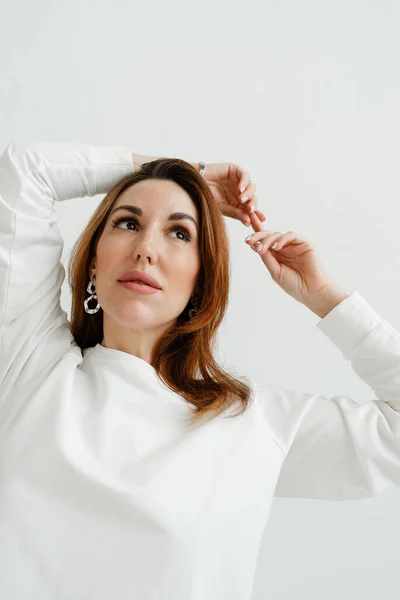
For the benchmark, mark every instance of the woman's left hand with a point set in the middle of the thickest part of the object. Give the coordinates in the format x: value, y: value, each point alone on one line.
x: 226, y: 182
x: 293, y: 263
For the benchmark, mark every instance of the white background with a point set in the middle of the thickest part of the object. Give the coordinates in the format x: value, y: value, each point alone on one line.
x: 305, y: 96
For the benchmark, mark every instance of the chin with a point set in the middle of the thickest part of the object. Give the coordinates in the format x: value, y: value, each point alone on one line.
x: 139, y: 317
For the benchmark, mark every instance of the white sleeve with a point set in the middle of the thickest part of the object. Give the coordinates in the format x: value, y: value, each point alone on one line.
x: 335, y: 448
x: 34, y: 330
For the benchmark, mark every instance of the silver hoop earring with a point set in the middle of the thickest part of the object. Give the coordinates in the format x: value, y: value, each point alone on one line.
x: 91, y: 288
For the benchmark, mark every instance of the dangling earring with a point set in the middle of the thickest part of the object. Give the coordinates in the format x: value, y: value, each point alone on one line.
x: 93, y: 296
x: 193, y: 311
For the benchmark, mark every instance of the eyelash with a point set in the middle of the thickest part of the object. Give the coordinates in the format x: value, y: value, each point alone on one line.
x: 188, y: 237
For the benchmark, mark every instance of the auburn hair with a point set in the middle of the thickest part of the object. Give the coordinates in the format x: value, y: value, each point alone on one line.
x: 183, y: 356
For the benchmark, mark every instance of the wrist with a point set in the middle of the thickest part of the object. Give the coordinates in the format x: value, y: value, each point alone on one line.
x: 324, y: 302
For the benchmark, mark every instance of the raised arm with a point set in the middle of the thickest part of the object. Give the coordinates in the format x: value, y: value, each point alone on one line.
x: 333, y: 448
x: 34, y: 331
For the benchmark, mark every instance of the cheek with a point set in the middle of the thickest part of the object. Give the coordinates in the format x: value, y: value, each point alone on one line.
x: 182, y: 270
x: 187, y: 263
x: 110, y: 251
x: 104, y: 259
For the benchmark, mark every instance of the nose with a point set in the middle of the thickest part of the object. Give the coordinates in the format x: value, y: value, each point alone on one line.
x: 146, y: 247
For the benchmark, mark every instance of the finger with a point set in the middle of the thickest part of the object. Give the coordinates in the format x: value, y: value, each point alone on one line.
x: 261, y: 241
x: 252, y: 208
x: 243, y: 181
x: 287, y: 237
x: 262, y: 244
x: 248, y: 194
x: 249, y: 209
x: 235, y: 213
x: 292, y: 237
x: 260, y: 215
x: 255, y: 222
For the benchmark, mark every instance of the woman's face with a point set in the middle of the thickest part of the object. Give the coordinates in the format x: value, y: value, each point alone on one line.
x: 161, y: 239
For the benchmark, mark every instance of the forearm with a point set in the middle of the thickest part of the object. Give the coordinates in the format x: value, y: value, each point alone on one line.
x: 322, y: 303
x: 140, y: 159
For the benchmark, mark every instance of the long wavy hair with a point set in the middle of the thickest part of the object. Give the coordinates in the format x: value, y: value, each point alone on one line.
x: 183, y: 356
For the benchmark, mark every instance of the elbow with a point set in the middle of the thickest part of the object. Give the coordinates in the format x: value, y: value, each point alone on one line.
x: 22, y: 155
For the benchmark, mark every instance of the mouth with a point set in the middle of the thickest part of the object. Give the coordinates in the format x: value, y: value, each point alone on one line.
x: 141, y: 278
x: 139, y: 286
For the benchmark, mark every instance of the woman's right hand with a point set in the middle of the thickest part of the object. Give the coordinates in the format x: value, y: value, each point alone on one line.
x: 230, y: 185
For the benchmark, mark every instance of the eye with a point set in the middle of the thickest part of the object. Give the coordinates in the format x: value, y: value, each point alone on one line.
x: 178, y: 228
x: 123, y: 220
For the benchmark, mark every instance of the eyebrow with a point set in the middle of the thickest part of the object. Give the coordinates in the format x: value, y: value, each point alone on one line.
x: 176, y: 216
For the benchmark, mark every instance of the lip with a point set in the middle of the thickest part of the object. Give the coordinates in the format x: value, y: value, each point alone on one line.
x: 141, y: 276
x: 142, y: 288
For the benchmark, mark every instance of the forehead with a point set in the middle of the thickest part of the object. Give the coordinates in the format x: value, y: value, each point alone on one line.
x: 166, y: 192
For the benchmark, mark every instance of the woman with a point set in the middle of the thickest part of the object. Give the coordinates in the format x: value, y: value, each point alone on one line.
x: 124, y: 472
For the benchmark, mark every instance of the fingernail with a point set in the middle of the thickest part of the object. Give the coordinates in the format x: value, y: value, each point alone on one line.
x: 257, y: 247
x: 274, y: 245
x: 244, y: 199
x: 252, y: 209
x: 242, y: 189
x: 248, y: 237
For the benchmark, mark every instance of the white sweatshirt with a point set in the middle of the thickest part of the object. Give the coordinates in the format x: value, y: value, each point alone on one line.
x: 105, y: 492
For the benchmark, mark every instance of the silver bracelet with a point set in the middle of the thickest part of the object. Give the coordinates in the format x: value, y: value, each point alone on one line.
x: 202, y: 168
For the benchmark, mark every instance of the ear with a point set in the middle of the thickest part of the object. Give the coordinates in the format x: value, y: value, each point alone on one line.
x: 92, y: 268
